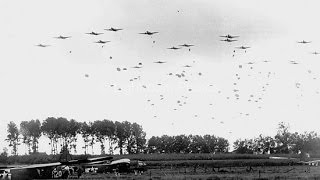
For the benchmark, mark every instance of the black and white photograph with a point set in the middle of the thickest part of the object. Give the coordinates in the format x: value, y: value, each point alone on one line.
x: 159, y: 89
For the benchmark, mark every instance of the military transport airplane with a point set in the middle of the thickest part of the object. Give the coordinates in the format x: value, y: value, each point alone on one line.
x: 121, y: 166
x: 53, y: 170
x: 174, y: 48
x: 315, y: 53
x: 136, y: 67
x: 149, y: 33
x: 101, y: 42
x: 304, y: 42
x: 113, y: 29
x: 228, y: 36
x: 243, y: 47
x: 160, y: 62
x: 63, y: 37
x: 94, y: 33
x: 42, y: 45
x: 228, y: 40
x: 186, y: 45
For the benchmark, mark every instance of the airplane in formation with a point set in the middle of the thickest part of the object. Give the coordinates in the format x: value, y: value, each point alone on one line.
x: 42, y: 45
x: 228, y: 40
x: 72, y: 168
x: 113, y: 29
x: 101, y: 42
x: 304, y: 42
x: 243, y: 47
x: 160, y: 62
x: 149, y: 33
x: 136, y: 67
x: 228, y: 36
x: 94, y: 33
x: 293, y: 62
x: 62, y: 37
x: 174, y: 48
x: 186, y: 45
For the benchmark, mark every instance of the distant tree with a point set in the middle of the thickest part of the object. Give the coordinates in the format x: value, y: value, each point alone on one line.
x: 73, y: 129
x: 243, y: 146
x: 311, y: 142
x: 49, y: 128
x: 129, y: 140
x: 13, y: 137
x: 283, y: 138
x: 120, y: 135
x: 110, y: 131
x: 154, y: 145
x: 35, y: 133
x: 166, y: 145
x: 4, y: 156
x: 181, y: 144
x: 100, y: 134
x: 197, y: 144
x: 26, y: 135
x: 139, y: 138
x: 211, y: 143
x: 298, y: 143
x: 264, y: 144
x: 86, y: 133
x: 222, y: 145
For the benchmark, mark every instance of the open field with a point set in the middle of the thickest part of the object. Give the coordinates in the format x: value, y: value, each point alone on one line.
x: 217, y: 166
x: 259, y: 172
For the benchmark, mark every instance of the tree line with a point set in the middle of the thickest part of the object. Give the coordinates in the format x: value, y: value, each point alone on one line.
x: 130, y: 138
x: 283, y: 142
x: 187, y: 144
x: 123, y: 136
x: 63, y: 133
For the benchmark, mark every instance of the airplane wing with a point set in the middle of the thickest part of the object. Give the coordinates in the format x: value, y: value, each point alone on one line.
x: 120, y: 161
x: 88, y: 161
x: 33, y: 166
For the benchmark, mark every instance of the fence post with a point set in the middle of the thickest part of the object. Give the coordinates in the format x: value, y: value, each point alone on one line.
x: 150, y: 175
x: 259, y: 174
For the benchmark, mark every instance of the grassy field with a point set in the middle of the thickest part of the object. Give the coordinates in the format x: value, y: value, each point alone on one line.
x: 216, y: 166
x: 210, y: 160
x: 259, y: 172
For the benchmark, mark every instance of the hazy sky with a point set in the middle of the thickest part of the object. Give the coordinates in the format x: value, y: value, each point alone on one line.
x: 37, y: 83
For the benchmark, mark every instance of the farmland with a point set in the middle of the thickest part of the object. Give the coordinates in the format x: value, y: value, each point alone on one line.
x: 216, y: 166
x: 258, y: 172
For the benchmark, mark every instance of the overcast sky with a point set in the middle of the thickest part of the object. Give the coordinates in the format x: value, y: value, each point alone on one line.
x: 37, y: 83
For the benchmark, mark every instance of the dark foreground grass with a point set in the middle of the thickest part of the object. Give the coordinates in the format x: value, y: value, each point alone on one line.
x: 235, y: 173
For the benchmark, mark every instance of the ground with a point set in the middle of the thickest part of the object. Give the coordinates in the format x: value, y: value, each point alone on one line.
x: 261, y: 172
